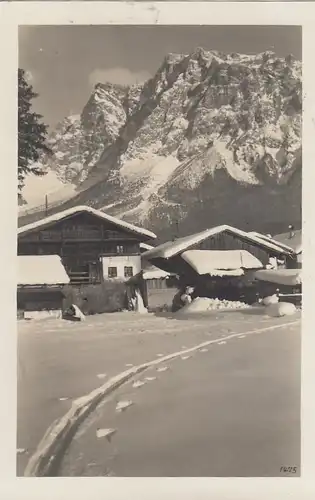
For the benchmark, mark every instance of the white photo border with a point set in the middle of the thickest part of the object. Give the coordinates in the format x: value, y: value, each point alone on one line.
x: 13, y: 14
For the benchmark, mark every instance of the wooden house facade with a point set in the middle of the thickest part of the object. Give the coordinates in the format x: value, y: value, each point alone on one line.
x: 93, y: 246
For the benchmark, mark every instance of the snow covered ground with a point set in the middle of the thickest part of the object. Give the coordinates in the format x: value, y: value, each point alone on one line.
x: 59, y: 361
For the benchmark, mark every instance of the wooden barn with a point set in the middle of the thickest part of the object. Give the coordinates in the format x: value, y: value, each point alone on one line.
x: 168, y: 256
x: 40, y: 283
x: 93, y: 246
x: 216, y: 261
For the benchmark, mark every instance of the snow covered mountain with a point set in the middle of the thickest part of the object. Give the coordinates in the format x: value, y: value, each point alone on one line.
x: 210, y: 139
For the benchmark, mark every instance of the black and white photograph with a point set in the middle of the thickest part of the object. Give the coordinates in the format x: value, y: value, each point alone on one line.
x: 159, y: 251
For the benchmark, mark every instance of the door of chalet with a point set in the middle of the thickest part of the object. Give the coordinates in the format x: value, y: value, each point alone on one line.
x: 95, y: 271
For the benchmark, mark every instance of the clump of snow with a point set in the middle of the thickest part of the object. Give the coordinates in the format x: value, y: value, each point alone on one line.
x: 137, y: 384
x: 21, y: 451
x: 123, y: 405
x: 281, y: 309
x: 272, y: 299
x: 202, y: 304
x: 107, y: 433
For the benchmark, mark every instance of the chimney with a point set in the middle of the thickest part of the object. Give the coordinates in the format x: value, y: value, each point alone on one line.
x: 291, y: 232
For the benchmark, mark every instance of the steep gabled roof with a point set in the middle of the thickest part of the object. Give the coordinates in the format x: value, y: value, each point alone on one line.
x: 172, y: 248
x: 47, y: 221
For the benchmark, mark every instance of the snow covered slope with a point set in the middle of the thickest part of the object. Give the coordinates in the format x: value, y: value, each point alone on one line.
x: 210, y: 139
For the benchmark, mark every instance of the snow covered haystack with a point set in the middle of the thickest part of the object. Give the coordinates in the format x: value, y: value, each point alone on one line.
x: 202, y: 304
x: 191, y: 144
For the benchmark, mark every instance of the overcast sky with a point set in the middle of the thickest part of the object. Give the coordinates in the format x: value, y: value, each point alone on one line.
x: 65, y: 62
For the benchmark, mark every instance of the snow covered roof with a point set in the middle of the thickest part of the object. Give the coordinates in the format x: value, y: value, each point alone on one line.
x: 145, y: 246
x: 272, y: 240
x: 154, y: 273
x: 214, y: 261
x: 225, y: 272
x: 41, y: 270
x: 75, y: 210
x: 171, y: 248
x: 294, y: 241
x: 288, y: 277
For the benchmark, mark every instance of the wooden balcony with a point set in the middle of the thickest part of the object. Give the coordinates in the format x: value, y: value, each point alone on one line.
x: 83, y: 278
x: 74, y: 235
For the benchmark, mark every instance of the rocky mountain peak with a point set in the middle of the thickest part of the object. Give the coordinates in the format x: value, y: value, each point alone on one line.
x: 221, y: 128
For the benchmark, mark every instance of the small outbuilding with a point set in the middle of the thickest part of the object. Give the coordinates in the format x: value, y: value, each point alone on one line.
x: 156, y: 278
x: 40, y: 282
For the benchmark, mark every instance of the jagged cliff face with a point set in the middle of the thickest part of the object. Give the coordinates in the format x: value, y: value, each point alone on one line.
x: 210, y: 139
